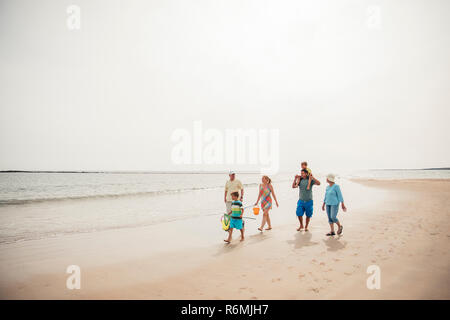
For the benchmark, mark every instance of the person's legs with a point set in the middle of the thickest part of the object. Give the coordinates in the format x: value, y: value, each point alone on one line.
x: 332, y: 227
x: 300, y: 219
x: 230, y: 232
x: 340, y: 227
x: 334, y: 212
x: 263, y: 222
x: 268, y: 220
x: 264, y: 218
x: 330, y: 220
x: 242, y: 234
x: 300, y: 211
x: 308, y: 219
x: 228, y: 207
x: 309, y: 212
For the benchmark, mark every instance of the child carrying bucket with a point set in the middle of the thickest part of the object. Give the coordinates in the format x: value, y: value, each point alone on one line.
x: 265, y: 192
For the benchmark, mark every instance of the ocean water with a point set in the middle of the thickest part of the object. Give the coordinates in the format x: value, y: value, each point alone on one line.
x: 22, y: 188
x: 41, y: 205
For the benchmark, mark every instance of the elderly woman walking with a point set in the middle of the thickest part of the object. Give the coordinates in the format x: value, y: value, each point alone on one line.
x: 333, y: 196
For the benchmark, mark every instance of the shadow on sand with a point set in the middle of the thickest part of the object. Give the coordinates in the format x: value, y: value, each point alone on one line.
x: 302, y: 239
x: 334, y: 243
x: 236, y: 244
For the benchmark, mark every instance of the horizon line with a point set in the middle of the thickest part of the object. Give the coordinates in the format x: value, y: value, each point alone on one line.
x: 184, y: 171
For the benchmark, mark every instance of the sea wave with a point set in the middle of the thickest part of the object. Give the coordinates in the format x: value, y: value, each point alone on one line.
x: 111, y: 195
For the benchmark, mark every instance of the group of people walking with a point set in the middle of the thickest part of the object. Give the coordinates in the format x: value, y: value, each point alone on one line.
x: 305, y: 181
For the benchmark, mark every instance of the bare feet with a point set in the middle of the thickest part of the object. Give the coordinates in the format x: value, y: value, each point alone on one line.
x: 260, y: 229
x: 227, y: 241
x: 270, y: 228
x: 306, y: 229
x: 242, y: 239
x: 300, y: 229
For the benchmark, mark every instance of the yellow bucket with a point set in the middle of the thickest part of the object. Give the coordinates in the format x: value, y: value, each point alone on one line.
x: 255, y: 211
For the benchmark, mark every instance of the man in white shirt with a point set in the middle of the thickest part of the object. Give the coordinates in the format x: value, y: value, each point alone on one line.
x: 232, y: 185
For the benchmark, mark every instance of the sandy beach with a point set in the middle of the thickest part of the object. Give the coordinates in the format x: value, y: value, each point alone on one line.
x: 401, y: 226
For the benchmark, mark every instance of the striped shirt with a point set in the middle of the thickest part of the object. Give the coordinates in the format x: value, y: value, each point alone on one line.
x: 236, y: 208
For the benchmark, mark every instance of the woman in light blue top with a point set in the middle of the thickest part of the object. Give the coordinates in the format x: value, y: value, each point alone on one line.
x: 333, y: 196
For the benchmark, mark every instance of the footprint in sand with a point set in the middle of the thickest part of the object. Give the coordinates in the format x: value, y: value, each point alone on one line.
x: 313, y: 260
x: 348, y: 273
x: 335, y: 259
x: 254, y: 298
x: 315, y: 290
x: 276, y: 280
x: 322, y: 263
x: 301, y: 275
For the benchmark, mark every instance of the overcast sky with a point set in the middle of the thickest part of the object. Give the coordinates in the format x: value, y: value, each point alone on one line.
x: 347, y: 88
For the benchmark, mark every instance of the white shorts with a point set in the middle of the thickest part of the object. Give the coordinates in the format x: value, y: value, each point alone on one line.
x: 228, y: 206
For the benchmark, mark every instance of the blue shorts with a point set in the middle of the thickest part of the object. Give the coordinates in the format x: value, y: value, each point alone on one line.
x: 304, y: 206
x: 236, y: 224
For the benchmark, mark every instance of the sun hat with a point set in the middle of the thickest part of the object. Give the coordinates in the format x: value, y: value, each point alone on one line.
x: 231, y: 172
x: 331, y: 177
